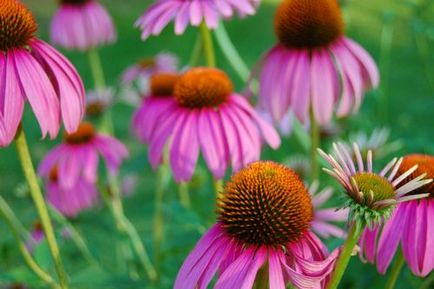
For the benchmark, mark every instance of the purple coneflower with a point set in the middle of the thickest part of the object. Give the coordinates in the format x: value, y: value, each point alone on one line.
x: 314, y: 66
x: 98, y: 101
x: 194, y: 12
x: 264, y: 218
x: 372, y: 196
x: 70, y: 200
x: 411, y: 225
x: 145, y: 68
x: 33, y: 70
x: 78, y: 157
x: 323, y: 217
x: 203, y: 114
x: 82, y: 25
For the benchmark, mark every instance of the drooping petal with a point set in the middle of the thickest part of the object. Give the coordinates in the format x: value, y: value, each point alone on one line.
x: 184, y: 150
x: 275, y: 271
x: 39, y: 91
x: 66, y: 81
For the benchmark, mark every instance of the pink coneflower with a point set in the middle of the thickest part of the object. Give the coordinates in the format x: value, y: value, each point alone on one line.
x: 78, y: 157
x: 204, y: 114
x: 145, y: 119
x: 411, y: 225
x: 98, y: 101
x: 314, y: 66
x: 70, y: 200
x: 145, y: 68
x: 32, y: 70
x: 264, y: 217
x: 372, y: 196
x: 36, y: 237
x: 194, y: 12
x: 323, y: 217
x: 82, y: 25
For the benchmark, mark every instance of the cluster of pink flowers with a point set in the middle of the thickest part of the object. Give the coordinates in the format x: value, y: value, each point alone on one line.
x: 268, y: 219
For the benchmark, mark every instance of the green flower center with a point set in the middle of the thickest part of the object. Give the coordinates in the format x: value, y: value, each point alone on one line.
x: 370, y: 183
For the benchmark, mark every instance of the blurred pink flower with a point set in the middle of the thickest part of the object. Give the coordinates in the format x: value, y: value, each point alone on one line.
x: 314, y: 66
x: 71, y: 200
x: 194, y: 12
x: 78, y: 157
x: 82, y: 25
x: 411, y: 225
x: 98, y: 101
x: 203, y: 114
x: 323, y: 217
x: 145, y: 68
x: 33, y: 70
x: 264, y: 217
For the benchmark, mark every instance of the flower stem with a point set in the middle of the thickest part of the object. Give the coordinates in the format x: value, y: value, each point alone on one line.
x: 208, y: 45
x: 163, y: 178
x: 345, y: 255
x: 396, y: 269
x: 124, y: 225
x: 314, y: 145
x: 75, y: 235
x: 197, y: 51
x: 184, y: 197
x: 16, y: 227
x: 231, y: 53
x: 96, y: 68
x: 38, y: 199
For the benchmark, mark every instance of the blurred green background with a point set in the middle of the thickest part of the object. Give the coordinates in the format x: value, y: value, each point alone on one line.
x: 399, y: 35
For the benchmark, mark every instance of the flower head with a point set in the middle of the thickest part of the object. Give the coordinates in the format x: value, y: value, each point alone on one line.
x: 264, y: 217
x: 373, y: 196
x: 411, y: 225
x: 377, y: 142
x: 203, y: 114
x: 32, y: 70
x: 76, y: 159
x: 82, y: 25
x: 193, y: 12
x: 314, y: 67
x: 98, y: 101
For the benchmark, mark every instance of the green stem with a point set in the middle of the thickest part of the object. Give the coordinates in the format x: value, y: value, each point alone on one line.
x: 345, y: 255
x: 208, y: 45
x: 75, y: 235
x: 96, y: 68
x: 16, y: 227
x: 396, y: 269
x: 314, y: 145
x: 428, y: 282
x: 197, y: 51
x: 38, y: 199
x: 184, y: 197
x: 162, y: 182
x: 231, y: 53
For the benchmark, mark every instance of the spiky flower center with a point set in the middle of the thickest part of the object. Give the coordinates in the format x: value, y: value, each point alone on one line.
x: 265, y: 204
x: 425, y: 166
x: 74, y: 2
x: 84, y: 134
x: 374, y: 187
x: 17, y: 25
x: 308, y: 23
x: 203, y: 87
x: 163, y: 84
